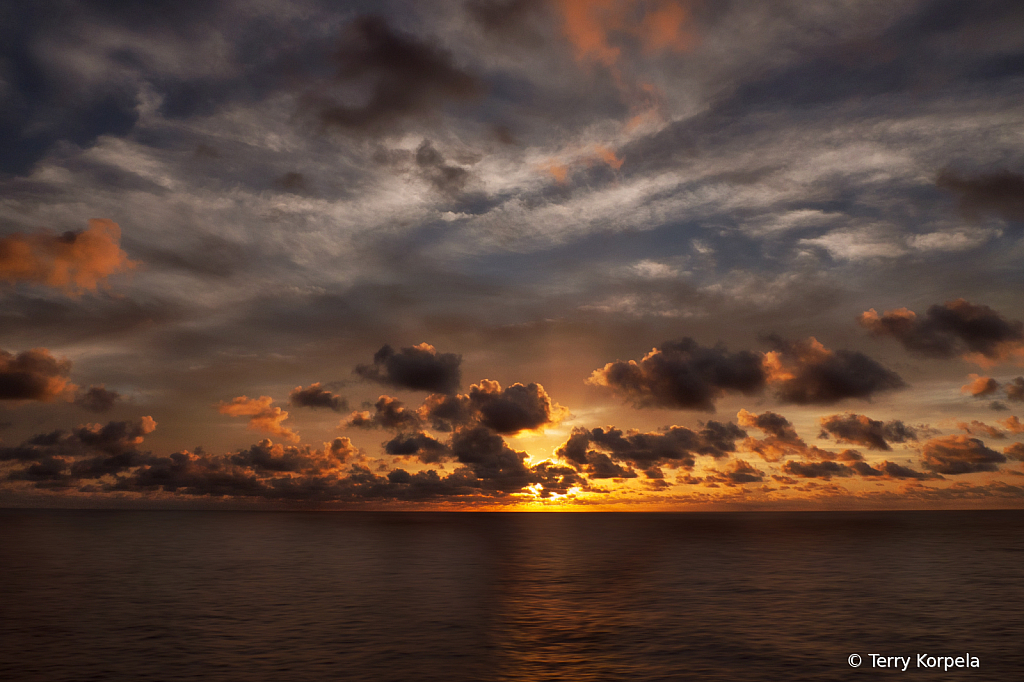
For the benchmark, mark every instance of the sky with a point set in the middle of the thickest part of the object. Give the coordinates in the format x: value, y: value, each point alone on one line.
x: 512, y: 254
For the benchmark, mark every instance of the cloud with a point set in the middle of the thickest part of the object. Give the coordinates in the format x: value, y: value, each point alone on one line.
x: 1012, y: 424
x: 263, y: 417
x: 97, y: 399
x: 783, y: 441
x: 445, y: 412
x: 445, y: 178
x: 33, y: 375
x: 976, y: 428
x: 740, y: 473
x: 419, y: 445
x: 955, y: 455
x: 389, y: 413
x: 595, y: 28
x: 956, y: 328
x: 890, y: 470
x: 417, y: 368
x: 683, y: 375
x: 494, y: 464
x: 315, y: 395
x: 509, y: 20
x: 267, y: 456
x: 516, y: 408
x: 676, y: 446
x: 72, y: 262
x: 858, y: 429
x: 775, y: 425
x: 88, y: 451
x: 980, y: 386
x: 1015, y: 451
x: 1001, y: 193
x: 807, y: 373
x: 825, y: 470
x: 1015, y: 390
x: 402, y: 77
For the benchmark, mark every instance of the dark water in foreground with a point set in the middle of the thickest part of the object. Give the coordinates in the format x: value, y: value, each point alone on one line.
x: 131, y: 595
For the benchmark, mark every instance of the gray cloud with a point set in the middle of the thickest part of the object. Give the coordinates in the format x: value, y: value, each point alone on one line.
x: 955, y: 328
x: 682, y: 374
x: 315, y: 395
x: 408, y: 77
x: 32, y: 375
x: 859, y: 429
x: 97, y: 399
x: 954, y: 455
x: 417, y: 368
x: 1001, y: 193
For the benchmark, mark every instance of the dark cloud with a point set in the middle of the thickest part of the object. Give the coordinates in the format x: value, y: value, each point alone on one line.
x: 1001, y: 192
x: 955, y: 455
x: 420, y: 445
x: 682, y: 374
x: 516, y: 408
x: 775, y: 425
x: 600, y: 465
x: 676, y: 446
x: 293, y: 182
x: 889, y: 470
x: 88, y: 451
x: 1015, y: 390
x: 389, y: 413
x: 740, y: 473
x: 445, y: 412
x: 494, y: 464
x: 858, y: 429
x: 1015, y: 452
x: 315, y: 395
x: 33, y: 375
x: 519, y: 407
x: 417, y: 368
x: 446, y: 178
x: 405, y: 77
x: 267, y: 456
x: 955, y: 328
x: 97, y: 399
x: 807, y: 373
x: 783, y: 441
x: 825, y: 470
x: 512, y: 20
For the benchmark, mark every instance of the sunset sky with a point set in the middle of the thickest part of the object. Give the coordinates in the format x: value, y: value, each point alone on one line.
x: 512, y: 254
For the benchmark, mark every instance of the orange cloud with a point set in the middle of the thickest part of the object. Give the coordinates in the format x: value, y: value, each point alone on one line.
x: 608, y: 156
x: 667, y: 28
x: 560, y: 171
x: 1012, y: 424
x: 557, y: 170
x: 977, y: 428
x: 587, y: 24
x: 980, y: 385
x: 592, y: 26
x: 263, y: 417
x: 73, y: 262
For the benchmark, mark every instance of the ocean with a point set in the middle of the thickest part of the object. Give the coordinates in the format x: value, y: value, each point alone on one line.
x: 420, y: 596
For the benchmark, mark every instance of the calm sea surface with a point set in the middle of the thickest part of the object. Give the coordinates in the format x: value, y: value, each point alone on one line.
x: 136, y: 595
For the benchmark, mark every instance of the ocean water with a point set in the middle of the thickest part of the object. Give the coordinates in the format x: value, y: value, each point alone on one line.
x: 147, y: 595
